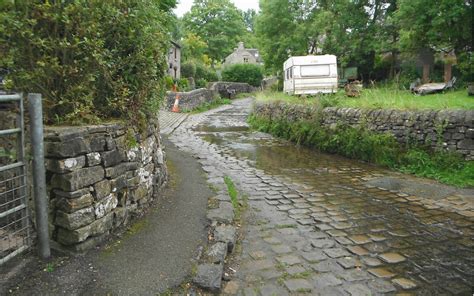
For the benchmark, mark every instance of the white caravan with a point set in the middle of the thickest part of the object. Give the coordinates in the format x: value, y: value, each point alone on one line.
x: 308, y: 75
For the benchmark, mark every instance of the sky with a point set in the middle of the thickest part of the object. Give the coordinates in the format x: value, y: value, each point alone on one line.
x: 185, y: 5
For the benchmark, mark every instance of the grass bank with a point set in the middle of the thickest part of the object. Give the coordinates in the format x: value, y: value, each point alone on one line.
x: 380, y: 98
x: 383, y: 149
x: 210, y: 105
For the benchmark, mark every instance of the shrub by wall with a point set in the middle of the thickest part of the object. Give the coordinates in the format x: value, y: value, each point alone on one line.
x: 246, y: 73
x: 90, y: 59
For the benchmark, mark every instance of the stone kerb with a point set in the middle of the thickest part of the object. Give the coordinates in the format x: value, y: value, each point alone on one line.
x: 97, y: 179
x: 448, y: 129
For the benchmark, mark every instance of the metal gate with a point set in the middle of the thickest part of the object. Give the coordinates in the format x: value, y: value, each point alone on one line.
x: 14, y: 220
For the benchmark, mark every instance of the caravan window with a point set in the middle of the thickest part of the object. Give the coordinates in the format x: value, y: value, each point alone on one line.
x: 315, y: 70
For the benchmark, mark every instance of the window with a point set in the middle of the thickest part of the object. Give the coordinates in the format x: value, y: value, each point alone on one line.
x: 246, y: 60
x: 175, y: 53
x: 291, y: 72
x: 171, y: 65
x: 315, y: 70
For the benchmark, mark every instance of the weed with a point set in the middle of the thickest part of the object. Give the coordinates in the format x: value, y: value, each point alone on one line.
x: 213, y: 188
x: 243, y: 95
x: 49, y: 267
x: 233, y: 195
x: 194, y: 269
x: 280, y: 266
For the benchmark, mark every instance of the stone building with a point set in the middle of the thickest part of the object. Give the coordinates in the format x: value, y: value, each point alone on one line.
x: 174, y: 60
x: 242, y: 55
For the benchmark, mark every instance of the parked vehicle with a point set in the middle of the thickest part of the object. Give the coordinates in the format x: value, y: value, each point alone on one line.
x: 308, y: 75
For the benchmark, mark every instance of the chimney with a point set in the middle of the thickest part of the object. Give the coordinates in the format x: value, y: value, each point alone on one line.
x: 241, y: 45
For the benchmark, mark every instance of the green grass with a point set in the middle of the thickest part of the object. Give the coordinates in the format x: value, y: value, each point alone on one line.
x: 209, y: 105
x: 243, y: 95
x: 234, y: 195
x: 377, y: 98
x: 383, y: 149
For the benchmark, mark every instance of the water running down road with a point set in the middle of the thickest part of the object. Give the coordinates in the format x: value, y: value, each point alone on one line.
x: 328, y: 225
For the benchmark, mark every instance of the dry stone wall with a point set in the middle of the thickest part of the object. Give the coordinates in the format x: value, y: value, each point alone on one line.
x: 230, y: 89
x: 449, y: 129
x: 98, y: 176
x: 190, y: 100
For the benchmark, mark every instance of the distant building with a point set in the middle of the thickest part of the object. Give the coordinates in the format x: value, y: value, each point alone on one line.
x: 174, y: 60
x: 242, y: 55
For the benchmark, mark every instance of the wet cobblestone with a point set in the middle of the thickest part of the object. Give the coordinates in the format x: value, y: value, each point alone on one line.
x: 323, y: 224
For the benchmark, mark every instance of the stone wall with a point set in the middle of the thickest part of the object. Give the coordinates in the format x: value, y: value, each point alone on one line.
x: 98, y: 176
x: 190, y: 100
x: 230, y: 89
x: 449, y: 129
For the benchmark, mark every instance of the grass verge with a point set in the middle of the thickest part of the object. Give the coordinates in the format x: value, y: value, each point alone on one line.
x: 379, y: 98
x: 383, y: 149
x: 209, y: 105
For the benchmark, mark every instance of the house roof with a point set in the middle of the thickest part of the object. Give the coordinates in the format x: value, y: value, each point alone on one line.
x: 255, y: 53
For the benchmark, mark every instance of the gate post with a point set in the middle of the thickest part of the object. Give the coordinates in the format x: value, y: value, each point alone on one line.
x: 39, y: 174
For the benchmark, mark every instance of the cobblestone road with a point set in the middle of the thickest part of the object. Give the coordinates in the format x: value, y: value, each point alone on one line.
x: 326, y: 225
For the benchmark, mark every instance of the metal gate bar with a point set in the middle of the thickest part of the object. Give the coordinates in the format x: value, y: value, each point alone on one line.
x: 14, y: 216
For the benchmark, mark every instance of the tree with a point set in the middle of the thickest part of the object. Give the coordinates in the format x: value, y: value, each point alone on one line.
x: 441, y: 25
x: 276, y: 30
x: 249, y: 17
x: 219, y: 23
x: 348, y: 29
x: 194, y: 48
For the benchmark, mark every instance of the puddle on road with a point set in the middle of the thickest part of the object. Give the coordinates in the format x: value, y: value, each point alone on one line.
x: 438, y: 245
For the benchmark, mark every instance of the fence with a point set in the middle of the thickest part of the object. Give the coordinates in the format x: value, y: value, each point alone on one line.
x: 14, y: 221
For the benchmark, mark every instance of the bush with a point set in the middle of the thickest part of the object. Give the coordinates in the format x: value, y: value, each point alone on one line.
x: 90, y: 59
x: 169, y: 82
x: 201, y: 83
x: 188, y: 69
x: 183, y: 84
x: 248, y: 73
x: 206, y: 73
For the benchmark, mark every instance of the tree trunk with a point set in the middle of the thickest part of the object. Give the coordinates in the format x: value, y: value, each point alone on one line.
x: 426, y: 73
x: 448, y: 67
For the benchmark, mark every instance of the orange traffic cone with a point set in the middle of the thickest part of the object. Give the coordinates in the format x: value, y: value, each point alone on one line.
x: 176, y: 101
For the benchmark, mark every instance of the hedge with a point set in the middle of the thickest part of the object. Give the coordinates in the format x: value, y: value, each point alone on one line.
x: 91, y: 59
